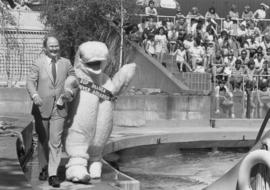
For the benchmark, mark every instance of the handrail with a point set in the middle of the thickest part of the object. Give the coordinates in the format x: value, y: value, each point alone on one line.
x: 203, y: 17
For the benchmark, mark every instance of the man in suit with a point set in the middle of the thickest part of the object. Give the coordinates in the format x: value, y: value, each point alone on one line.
x: 45, y: 84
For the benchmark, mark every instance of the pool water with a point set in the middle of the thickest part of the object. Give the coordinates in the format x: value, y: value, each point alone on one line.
x: 187, y: 170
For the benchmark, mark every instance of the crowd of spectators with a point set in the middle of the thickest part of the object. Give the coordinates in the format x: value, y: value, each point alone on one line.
x: 235, y: 50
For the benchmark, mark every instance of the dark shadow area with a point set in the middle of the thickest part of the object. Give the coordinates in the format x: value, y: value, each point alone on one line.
x: 10, y: 170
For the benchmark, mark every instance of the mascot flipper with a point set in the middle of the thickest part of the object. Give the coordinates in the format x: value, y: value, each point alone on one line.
x: 92, y: 110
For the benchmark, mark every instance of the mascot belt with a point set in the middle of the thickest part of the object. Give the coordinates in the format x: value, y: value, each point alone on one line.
x: 97, y: 90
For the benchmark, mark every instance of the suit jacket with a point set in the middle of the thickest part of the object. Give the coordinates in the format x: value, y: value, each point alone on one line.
x: 40, y: 81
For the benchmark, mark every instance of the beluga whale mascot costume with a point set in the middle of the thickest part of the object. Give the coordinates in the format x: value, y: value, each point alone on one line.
x: 92, y: 110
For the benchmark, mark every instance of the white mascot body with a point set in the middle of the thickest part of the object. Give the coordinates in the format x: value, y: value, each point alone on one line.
x: 93, y: 110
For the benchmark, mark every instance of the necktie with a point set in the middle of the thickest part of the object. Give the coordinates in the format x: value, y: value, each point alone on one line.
x: 53, y: 69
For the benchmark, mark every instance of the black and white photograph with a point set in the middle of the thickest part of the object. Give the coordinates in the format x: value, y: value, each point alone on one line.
x: 135, y: 94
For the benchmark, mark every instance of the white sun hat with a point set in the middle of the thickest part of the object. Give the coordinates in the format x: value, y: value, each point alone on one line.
x: 265, y: 6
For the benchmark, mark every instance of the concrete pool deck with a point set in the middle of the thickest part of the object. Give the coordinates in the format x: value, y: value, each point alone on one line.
x: 158, y: 132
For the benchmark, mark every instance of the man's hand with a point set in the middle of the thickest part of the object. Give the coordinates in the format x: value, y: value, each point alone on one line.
x: 37, y: 100
x: 67, y: 96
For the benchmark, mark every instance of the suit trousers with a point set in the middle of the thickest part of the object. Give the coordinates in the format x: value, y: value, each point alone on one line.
x: 49, y: 131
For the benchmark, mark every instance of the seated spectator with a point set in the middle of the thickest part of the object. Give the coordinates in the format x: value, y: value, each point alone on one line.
x: 149, y: 30
x: 211, y: 13
x: 210, y: 44
x: 244, y: 57
x: 135, y: 35
x: 150, y: 45
x: 182, y: 35
x: 181, y: 59
x: 229, y: 61
x: 160, y: 44
x: 191, y: 28
x: 170, y: 23
x: 264, y: 73
x: 247, y: 13
x: 179, y: 14
x: 259, y: 60
x: 266, y: 42
x: 223, y: 37
x: 249, y: 91
x: 151, y: 10
x: 196, y: 53
x: 142, y: 25
x: 234, y: 45
x: 252, y: 29
x: 254, y: 43
x: 200, y: 68
x: 236, y: 78
x: 261, y: 14
x: 172, y: 38
x: 224, y: 99
x: 228, y: 24
x: 267, y: 55
x: 234, y: 14
x: 193, y: 13
x: 188, y: 42
x: 242, y: 33
x: 181, y: 24
x: 218, y: 65
x: 263, y: 95
x: 200, y: 28
x: 250, y: 71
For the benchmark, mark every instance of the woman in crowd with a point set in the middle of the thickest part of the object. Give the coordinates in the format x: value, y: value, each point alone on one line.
x: 211, y: 13
x: 247, y: 13
x: 151, y: 10
x: 160, y: 44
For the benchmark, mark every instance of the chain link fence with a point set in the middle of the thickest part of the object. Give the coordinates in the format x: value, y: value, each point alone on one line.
x: 18, y: 49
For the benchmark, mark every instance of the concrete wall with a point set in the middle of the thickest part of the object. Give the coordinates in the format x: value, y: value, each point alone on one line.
x: 151, y: 74
x: 137, y: 110
x: 15, y: 101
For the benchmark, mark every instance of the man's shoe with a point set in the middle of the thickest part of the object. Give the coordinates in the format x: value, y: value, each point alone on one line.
x: 54, y: 181
x: 43, y: 175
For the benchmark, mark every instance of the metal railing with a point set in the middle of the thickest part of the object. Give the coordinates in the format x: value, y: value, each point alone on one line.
x: 219, y: 21
x: 247, y: 99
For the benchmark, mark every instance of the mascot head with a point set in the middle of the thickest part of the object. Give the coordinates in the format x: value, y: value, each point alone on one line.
x: 91, y: 57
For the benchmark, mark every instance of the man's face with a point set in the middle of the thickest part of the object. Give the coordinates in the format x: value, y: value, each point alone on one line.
x: 52, y: 47
x: 243, y: 55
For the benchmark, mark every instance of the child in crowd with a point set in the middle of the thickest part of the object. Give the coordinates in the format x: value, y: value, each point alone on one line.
x: 250, y: 72
x: 229, y: 61
x: 263, y: 95
x: 151, y: 10
x: 181, y: 58
x: 196, y: 53
x: 160, y: 44
x: 172, y: 38
x: 150, y: 45
x: 228, y: 24
x: 236, y: 78
x: 259, y: 60
x: 224, y: 99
